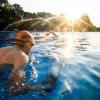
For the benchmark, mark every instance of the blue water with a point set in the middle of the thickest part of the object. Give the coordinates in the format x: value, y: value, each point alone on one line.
x: 73, y: 58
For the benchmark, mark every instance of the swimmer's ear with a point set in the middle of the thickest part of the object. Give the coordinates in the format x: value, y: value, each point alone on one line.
x: 21, y: 44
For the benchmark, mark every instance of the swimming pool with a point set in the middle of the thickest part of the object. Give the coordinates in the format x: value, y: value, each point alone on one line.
x: 73, y: 58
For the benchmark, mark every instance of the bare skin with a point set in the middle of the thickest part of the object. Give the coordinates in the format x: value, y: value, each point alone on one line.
x: 15, y: 56
x: 18, y: 57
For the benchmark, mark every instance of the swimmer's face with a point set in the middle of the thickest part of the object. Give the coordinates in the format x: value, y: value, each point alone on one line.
x: 28, y: 46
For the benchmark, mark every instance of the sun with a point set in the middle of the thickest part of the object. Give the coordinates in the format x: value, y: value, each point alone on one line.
x: 73, y: 10
x: 72, y: 16
x: 73, y: 13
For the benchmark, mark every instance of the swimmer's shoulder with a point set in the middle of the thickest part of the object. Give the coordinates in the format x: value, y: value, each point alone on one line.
x: 20, y: 56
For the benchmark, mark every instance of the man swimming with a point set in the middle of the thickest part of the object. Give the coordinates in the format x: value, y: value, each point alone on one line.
x: 17, y: 57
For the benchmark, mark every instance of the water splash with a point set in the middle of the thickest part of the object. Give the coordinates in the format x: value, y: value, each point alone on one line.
x: 33, y: 71
x: 25, y: 20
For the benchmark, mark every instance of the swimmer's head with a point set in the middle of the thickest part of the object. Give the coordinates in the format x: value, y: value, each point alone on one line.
x: 25, y: 40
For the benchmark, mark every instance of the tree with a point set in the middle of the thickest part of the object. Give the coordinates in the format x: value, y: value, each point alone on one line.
x: 3, y: 1
x: 4, y: 14
x: 9, y: 13
x: 27, y: 15
x: 86, y: 22
x: 44, y: 14
x: 17, y: 12
x: 34, y: 15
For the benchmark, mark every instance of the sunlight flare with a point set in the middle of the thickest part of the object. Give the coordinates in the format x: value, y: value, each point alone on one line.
x: 69, y: 43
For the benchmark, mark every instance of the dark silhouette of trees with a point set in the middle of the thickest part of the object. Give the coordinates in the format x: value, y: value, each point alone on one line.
x: 12, y: 13
x: 44, y: 14
x: 4, y: 13
x: 14, y: 17
x: 3, y: 1
x: 18, y: 12
x: 9, y: 13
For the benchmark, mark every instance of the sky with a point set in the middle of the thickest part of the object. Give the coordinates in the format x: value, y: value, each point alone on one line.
x: 70, y: 8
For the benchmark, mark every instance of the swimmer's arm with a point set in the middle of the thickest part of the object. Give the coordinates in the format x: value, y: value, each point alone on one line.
x: 17, y: 74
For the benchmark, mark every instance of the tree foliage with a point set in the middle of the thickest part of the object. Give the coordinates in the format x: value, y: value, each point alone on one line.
x: 9, y: 13
x: 44, y: 14
x: 14, y: 17
x: 12, y: 13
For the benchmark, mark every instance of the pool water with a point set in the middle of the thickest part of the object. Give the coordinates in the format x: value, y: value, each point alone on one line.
x: 73, y: 60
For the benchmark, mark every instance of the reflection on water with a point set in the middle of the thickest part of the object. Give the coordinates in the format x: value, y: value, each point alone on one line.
x: 77, y: 63
x: 73, y: 58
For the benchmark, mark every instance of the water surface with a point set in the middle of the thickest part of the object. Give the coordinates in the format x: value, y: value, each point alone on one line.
x: 73, y: 58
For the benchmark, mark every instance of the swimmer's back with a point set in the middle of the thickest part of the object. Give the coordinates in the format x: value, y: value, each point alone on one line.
x: 12, y: 54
